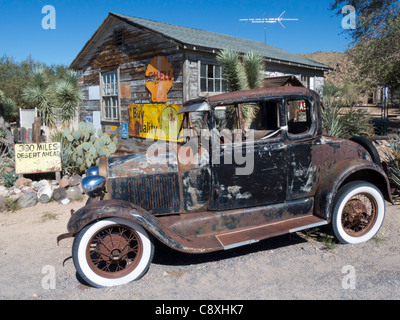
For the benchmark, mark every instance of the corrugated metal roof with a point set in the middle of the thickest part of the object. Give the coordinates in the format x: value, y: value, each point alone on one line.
x: 207, y: 39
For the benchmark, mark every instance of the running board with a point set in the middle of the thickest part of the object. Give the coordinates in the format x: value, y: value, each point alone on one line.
x: 251, y: 235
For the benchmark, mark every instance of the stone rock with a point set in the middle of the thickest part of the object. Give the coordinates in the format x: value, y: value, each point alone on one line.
x: 63, y: 183
x: 4, y: 192
x: 15, y: 191
x: 26, y: 189
x: 21, y: 182
x: 16, y: 196
x: 28, y: 199
x: 59, y: 194
x: 44, y: 194
x: 38, y: 185
x: 75, y: 180
x: 74, y: 193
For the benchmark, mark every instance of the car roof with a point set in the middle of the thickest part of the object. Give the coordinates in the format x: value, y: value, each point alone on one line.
x: 244, y: 95
x: 258, y: 93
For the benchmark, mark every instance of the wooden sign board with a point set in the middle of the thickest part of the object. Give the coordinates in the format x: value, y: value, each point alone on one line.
x: 37, y: 158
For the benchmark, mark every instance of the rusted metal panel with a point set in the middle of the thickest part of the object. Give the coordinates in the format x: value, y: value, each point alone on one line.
x: 213, y: 231
x: 348, y: 170
x: 156, y: 193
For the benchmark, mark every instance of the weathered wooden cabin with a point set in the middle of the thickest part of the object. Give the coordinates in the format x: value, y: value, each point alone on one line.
x: 137, y: 73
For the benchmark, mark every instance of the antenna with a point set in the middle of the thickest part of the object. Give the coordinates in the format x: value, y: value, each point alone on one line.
x: 269, y: 20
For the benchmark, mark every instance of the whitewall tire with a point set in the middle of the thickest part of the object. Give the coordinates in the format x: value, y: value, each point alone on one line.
x: 112, y: 252
x: 358, y: 213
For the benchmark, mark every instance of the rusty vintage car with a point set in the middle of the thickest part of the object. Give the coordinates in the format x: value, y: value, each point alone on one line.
x: 231, y: 180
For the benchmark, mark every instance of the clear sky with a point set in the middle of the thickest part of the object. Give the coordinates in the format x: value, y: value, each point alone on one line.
x: 21, y: 32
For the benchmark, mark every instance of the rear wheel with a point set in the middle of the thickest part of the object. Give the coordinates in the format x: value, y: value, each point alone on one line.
x: 112, y: 252
x: 358, y: 212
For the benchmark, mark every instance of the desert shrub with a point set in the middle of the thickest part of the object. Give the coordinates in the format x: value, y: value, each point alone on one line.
x: 9, y: 178
x: 342, y: 123
x: 392, y: 163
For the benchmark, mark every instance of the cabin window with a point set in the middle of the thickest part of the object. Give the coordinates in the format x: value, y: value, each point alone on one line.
x: 211, y: 78
x: 110, y: 96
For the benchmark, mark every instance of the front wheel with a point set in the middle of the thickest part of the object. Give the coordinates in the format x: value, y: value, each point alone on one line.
x: 112, y: 252
x: 358, y: 212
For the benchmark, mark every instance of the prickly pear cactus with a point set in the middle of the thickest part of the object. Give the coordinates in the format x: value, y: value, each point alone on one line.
x: 86, y: 147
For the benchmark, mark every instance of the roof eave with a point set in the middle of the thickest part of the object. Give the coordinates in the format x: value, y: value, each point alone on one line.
x: 268, y: 59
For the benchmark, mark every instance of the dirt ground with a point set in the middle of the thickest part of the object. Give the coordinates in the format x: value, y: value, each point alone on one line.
x: 304, y: 265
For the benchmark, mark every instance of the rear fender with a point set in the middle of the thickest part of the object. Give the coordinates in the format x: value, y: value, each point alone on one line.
x: 344, y: 172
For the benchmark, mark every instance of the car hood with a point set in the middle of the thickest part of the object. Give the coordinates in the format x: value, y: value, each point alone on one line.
x: 158, y: 160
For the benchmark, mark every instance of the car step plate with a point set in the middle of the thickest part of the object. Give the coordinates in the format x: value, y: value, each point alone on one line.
x: 251, y: 235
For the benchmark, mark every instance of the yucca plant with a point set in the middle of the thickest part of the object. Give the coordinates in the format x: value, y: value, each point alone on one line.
x: 63, y: 95
x: 345, y: 124
x: 68, y: 98
x: 253, y: 65
x: 241, y: 73
x: 38, y: 94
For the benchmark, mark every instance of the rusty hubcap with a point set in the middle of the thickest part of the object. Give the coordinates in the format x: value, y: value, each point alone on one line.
x: 359, y: 215
x: 114, y: 251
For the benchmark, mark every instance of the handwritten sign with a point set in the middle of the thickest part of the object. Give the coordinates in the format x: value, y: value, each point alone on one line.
x: 37, y: 158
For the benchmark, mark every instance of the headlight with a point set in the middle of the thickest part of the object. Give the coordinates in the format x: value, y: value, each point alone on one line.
x: 93, y: 171
x: 93, y: 185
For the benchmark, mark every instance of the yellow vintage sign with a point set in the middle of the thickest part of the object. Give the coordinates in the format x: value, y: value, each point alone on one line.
x: 154, y: 121
x: 37, y: 158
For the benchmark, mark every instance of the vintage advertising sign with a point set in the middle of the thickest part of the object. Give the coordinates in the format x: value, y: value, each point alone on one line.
x: 160, y: 75
x: 37, y: 158
x: 111, y: 131
x: 154, y: 121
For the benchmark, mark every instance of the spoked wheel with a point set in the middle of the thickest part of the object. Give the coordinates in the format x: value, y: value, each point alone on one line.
x: 358, y: 213
x: 112, y: 252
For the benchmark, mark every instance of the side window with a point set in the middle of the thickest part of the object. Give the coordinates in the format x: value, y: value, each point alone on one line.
x: 298, y: 116
x: 227, y: 122
x: 262, y: 118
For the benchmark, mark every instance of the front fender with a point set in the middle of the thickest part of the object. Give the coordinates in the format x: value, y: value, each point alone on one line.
x: 343, y: 172
x: 98, y: 210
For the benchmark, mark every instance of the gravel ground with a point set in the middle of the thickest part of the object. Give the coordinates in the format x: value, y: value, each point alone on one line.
x: 296, y: 266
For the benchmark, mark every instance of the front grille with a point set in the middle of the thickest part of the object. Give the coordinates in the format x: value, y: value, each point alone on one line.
x: 154, y: 193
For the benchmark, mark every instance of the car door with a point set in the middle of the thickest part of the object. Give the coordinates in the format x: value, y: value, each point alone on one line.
x: 302, y: 135
x: 251, y: 171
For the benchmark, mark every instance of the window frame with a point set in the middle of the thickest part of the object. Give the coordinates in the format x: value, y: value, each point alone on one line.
x: 214, y: 79
x: 311, y: 132
x: 113, y: 96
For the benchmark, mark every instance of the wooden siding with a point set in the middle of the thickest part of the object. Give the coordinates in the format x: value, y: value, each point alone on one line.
x: 131, y: 59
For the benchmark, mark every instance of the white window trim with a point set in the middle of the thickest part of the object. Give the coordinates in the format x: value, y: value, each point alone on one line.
x: 102, y: 107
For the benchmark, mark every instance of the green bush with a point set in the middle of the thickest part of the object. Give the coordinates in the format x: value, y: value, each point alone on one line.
x: 9, y: 178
